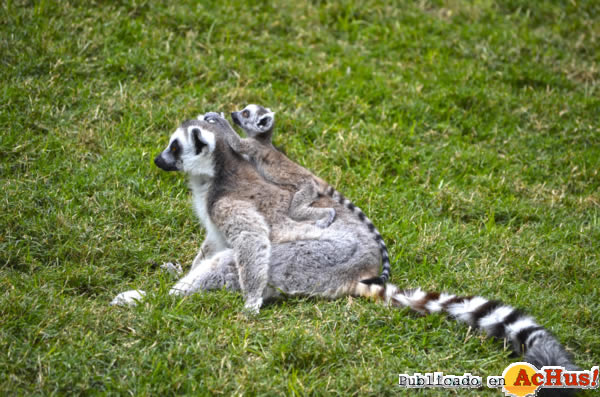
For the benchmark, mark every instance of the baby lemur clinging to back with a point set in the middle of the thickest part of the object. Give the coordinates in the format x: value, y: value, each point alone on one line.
x: 258, y: 122
x: 274, y: 166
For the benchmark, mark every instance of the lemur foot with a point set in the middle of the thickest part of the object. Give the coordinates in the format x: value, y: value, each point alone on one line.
x: 174, y: 269
x: 252, y: 305
x: 325, y: 222
x: 128, y: 298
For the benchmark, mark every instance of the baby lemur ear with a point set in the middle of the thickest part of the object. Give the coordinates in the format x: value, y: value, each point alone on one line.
x: 197, y: 139
x: 265, y: 122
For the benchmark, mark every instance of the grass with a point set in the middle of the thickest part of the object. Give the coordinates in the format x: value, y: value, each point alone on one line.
x: 468, y: 131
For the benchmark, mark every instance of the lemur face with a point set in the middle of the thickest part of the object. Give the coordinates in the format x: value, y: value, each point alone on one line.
x: 254, y: 119
x: 190, y: 149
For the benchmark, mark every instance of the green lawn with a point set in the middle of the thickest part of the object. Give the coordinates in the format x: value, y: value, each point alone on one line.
x: 467, y: 130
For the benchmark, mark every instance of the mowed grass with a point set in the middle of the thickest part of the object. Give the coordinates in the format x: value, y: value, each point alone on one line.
x: 467, y: 131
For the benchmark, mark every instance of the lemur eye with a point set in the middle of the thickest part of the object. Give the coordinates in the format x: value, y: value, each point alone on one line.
x: 174, y: 147
x: 246, y: 114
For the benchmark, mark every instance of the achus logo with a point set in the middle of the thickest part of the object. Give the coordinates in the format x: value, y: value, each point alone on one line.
x: 523, y: 379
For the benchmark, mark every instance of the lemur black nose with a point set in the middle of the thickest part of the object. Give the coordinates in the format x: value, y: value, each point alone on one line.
x: 164, y: 164
x: 235, y: 118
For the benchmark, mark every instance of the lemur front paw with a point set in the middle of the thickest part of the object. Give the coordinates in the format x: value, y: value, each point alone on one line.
x: 128, y: 298
x: 252, y: 305
x: 174, y: 269
x: 328, y: 220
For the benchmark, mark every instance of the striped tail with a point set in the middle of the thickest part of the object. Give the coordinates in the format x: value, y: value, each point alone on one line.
x: 385, y: 259
x: 526, y: 336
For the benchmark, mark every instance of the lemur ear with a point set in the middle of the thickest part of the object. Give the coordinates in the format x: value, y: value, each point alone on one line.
x: 197, y: 139
x: 202, y: 138
x: 266, y: 121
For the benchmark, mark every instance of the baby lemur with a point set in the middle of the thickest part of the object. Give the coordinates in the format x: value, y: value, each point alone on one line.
x: 258, y: 122
x: 275, y: 167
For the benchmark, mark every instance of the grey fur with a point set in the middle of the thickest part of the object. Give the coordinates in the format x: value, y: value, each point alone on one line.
x: 258, y: 123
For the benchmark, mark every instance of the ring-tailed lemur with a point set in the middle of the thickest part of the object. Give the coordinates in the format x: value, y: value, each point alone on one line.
x: 229, y: 198
x: 241, y: 210
x: 258, y: 122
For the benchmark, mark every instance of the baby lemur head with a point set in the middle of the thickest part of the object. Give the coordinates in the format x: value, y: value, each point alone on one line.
x: 257, y: 121
x: 191, y: 149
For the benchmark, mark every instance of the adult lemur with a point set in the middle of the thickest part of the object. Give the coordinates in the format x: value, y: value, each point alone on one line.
x: 243, y: 211
x: 258, y: 121
x: 245, y: 218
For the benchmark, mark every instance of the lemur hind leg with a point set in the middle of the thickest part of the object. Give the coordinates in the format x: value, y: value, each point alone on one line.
x: 217, y: 272
x: 300, y: 207
x: 329, y: 267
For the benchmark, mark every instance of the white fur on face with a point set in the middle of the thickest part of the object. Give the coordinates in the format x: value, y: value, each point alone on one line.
x: 196, y: 164
x: 254, y: 109
x: 129, y: 298
x: 178, y: 134
x: 186, y: 140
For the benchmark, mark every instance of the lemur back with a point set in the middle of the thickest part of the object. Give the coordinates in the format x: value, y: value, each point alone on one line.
x: 258, y: 122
